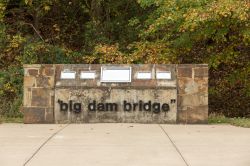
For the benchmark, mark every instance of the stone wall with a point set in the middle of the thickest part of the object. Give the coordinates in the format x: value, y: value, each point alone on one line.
x: 192, y: 93
x: 43, y: 87
x: 118, y: 96
x: 85, y: 91
x: 38, y: 99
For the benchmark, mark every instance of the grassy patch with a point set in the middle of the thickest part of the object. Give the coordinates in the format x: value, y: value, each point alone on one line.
x: 221, y: 119
x: 11, y: 120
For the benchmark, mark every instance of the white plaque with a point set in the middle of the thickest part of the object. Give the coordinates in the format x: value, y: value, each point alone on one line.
x: 87, y: 75
x: 144, y: 75
x: 166, y: 75
x: 66, y: 74
x: 115, y: 74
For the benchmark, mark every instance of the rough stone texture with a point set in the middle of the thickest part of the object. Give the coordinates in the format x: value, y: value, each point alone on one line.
x: 192, y: 93
x: 184, y: 71
x: 29, y: 81
x: 188, y: 86
x: 38, y: 98
x: 49, y: 115
x: 33, y: 72
x: 34, y: 115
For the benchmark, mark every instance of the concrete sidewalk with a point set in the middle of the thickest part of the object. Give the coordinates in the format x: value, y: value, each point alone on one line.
x: 124, y: 145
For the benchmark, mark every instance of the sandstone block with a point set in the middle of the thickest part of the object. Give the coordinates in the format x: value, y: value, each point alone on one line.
x: 193, y: 100
x: 49, y: 71
x: 34, y: 115
x: 201, y: 72
x: 49, y: 115
x: 27, y: 97
x: 42, y: 81
x: 192, y: 115
x: 40, y: 97
x: 33, y: 72
x: 184, y: 71
x: 29, y: 81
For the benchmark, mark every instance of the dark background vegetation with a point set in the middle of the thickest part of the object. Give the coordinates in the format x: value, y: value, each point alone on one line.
x: 216, y: 32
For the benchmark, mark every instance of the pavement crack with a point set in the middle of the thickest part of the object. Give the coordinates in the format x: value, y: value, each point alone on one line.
x: 43, y: 144
x: 176, y: 148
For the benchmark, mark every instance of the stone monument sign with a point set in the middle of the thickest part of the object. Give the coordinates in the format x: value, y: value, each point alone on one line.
x: 127, y: 93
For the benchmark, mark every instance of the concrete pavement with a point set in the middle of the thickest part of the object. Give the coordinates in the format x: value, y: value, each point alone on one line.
x: 124, y: 145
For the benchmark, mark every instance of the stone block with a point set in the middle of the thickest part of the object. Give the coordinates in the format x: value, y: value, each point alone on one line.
x: 34, y: 115
x: 192, y: 100
x: 27, y: 97
x: 48, y: 65
x: 49, y: 115
x: 202, y: 84
x: 52, y: 99
x: 190, y: 86
x: 32, y: 65
x: 193, y: 115
x: 49, y: 71
x: 29, y: 81
x: 192, y: 93
x: 201, y: 72
x: 33, y: 72
x: 40, y: 97
x: 187, y: 86
x: 141, y: 83
x: 45, y: 82
x: 51, y: 82
x: 184, y: 71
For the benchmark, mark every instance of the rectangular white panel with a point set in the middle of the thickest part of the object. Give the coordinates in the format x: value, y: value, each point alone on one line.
x: 163, y: 75
x: 144, y: 75
x: 87, y: 75
x: 116, y: 74
x: 68, y: 74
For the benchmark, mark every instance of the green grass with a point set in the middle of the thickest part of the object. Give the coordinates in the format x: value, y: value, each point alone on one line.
x: 11, y: 120
x: 221, y: 119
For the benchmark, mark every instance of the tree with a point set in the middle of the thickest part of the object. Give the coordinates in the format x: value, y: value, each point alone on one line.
x: 130, y: 31
x: 216, y: 32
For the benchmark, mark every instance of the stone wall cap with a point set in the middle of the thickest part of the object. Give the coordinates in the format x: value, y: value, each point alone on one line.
x: 39, y: 65
x: 32, y: 65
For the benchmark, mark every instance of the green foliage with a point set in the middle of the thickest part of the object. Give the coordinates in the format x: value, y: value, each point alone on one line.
x: 236, y: 121
x: 216, y: 32
x: 2, y: 10
x: 11, y: 119
x: 11, y: 85
x: 208, y: 31
x: 40, y: 52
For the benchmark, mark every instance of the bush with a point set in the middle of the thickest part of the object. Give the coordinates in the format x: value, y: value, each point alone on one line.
x: 11, y: 89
